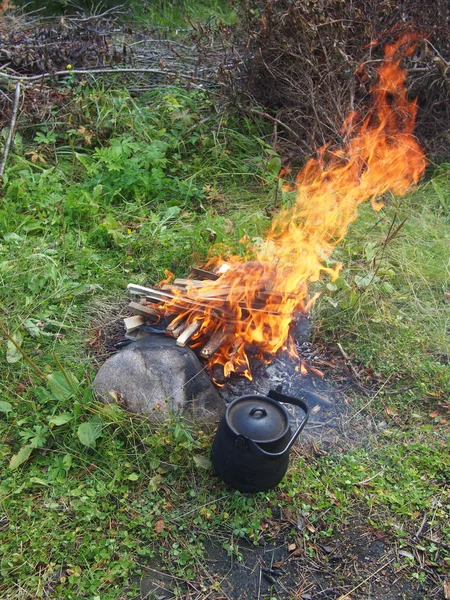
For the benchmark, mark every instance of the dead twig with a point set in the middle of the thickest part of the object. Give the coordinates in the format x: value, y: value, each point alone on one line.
x: 347, y: 595
x: 348, y: 361
x: 369, y: 479
x: 11, y: 130
x: 275, y: 120
x: 402, y: 391
x: 105, y: 71
x: 422, y: 525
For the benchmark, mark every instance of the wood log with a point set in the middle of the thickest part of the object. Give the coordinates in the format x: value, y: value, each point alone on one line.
x: 132, y: 323
x: 312, y: 369
x: 184, y: 338
x: 178, y: 302
x: 137, y: 334
x: 175, y: 324
x: 202, y: 274
x: 214, y: 343
x: 144, y: 311
x: 317, y: 398
x: 192, y: 283
x: 182, y: 326
x: 167, y: 287
x: 224, y: 292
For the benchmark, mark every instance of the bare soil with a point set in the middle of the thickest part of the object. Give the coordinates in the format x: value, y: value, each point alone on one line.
x: 359, y: 563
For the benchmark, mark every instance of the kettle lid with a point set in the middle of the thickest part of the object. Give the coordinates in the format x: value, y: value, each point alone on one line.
x: 258, y: 418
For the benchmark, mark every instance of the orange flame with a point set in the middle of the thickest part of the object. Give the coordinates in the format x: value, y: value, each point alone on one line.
x: 254, y: 302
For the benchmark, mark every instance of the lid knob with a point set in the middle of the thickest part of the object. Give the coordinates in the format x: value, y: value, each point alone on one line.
x: 258, y: 412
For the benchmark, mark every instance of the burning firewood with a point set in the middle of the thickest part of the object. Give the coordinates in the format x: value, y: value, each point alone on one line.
x: 214, y: 343
x: 144, y: 311
x: 188, y: 333
x: 250, y: 307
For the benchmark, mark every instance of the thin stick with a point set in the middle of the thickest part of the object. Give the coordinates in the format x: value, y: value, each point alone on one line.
x: 97, y: 72
x: 348, y: 361
x: 23, y: 353
x: 275, y: 120
x: 438, y: 542
x: 11, y: 129
x: 422, y: 525
x: 347, y: 595
x: 368, y: 402
x: 369, y: 479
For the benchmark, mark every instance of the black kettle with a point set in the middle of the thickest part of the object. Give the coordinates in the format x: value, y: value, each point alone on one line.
x: 251, y: 447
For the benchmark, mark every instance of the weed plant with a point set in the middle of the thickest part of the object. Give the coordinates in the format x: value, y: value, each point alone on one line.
x: 117, y: 190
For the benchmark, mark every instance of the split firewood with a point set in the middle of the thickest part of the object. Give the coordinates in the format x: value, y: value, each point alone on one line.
x: 177, y: 302
x: 192, y: 283
x: 223, y: 269
x: 214, y: 343
x: 182, y: 326
x: 318, y: 398
x: 174, y: 324
x: 187, y: 334
x: 204, y: 274
x: 168, y: 287
x: 224, y: 291
x: 132, y: 323
x: 144, y: 311
x: 137, y: 334
x: 312, y: 369
x: 183, y: 303
x: 228, y: 366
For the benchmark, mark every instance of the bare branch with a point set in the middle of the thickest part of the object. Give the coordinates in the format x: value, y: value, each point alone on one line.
x: 11, y: 130
x: 106, y: 71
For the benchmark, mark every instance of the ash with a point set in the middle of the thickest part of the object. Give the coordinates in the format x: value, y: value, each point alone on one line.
x: 326, y: 403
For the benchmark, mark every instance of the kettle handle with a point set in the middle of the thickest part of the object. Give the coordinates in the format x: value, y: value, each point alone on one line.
x: 276, y: 395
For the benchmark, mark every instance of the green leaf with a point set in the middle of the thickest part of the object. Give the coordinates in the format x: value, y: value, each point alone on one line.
x: 60, y: 419
x: 203, y: 462
x: 89, y: 432
x: 13, y: 355
x: 274, y: 165
x: 63, y: 385
x: 370, y: 250
x: 13, y: 237
x: 38, y: 481
x: 364, y: 281
x: 22, y: 456
x: 133, y: 477
x: 32, y: 328
x: 5, y: 407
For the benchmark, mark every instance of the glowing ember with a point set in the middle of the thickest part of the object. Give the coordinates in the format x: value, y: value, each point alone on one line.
x: 254, y: 301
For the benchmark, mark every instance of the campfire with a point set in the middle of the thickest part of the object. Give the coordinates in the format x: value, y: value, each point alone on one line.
x: 238, y: 307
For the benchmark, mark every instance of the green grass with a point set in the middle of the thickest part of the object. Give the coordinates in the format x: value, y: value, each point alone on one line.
x: 397, y: 287
x: 117, y: 190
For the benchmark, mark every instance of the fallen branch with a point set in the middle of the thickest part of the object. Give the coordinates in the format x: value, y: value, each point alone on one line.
x: 422, y: 525
x: 348, y: 361
x: 11, y: 130
x: 275, y: 120
x: 106, y: 71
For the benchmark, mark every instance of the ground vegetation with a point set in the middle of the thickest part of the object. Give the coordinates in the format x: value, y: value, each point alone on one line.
x: 108, y: 186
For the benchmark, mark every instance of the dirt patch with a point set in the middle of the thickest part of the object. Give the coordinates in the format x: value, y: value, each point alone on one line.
x: 359, y: 563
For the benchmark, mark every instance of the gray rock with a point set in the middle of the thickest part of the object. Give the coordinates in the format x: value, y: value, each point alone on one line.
x: 157, y: 378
